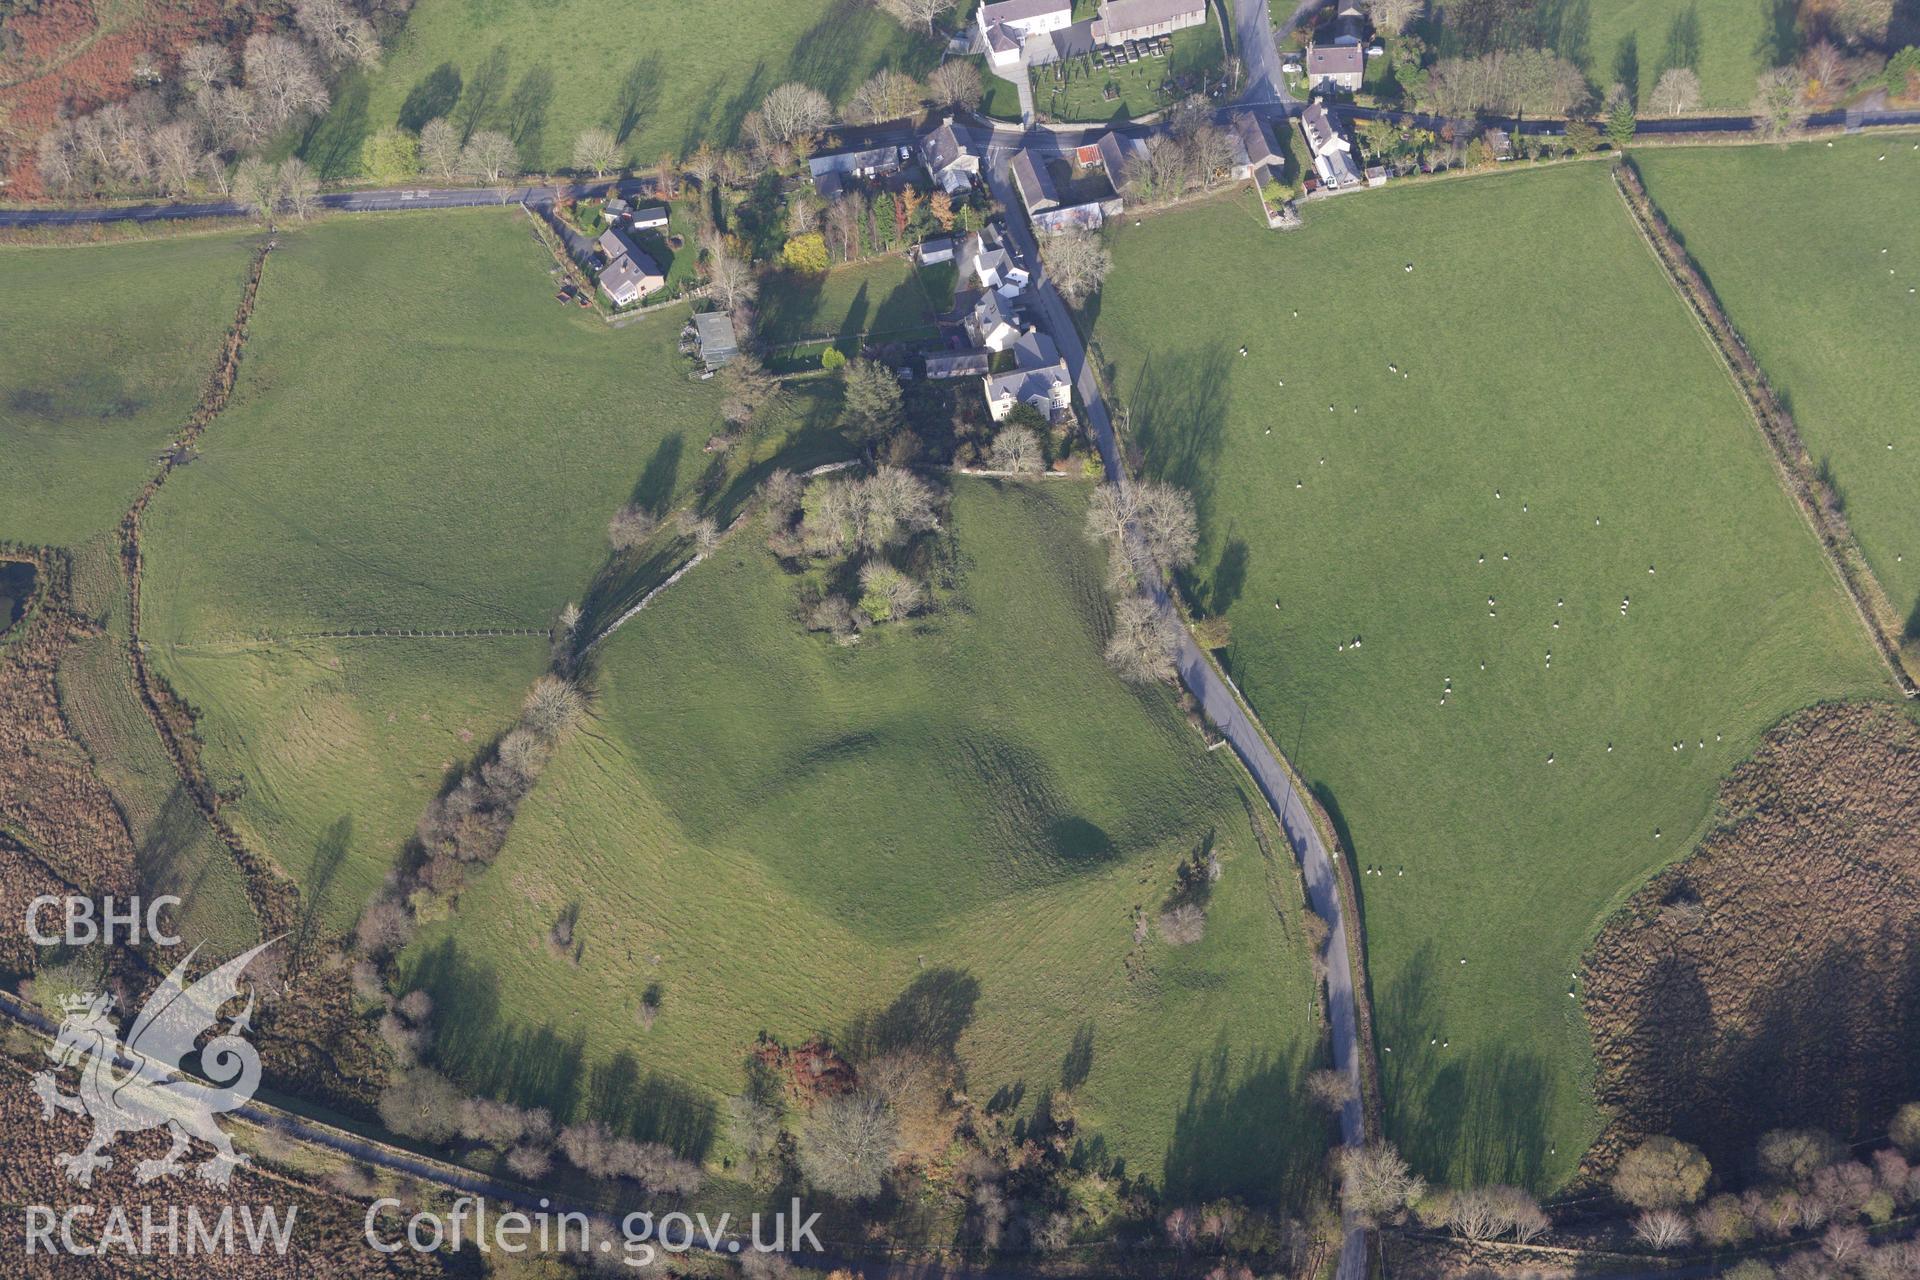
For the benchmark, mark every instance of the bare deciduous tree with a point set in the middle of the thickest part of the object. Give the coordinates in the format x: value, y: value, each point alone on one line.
x: 440, y: 147
x: 1375, y: 1183
x: 730, y: 274
x: 956, y: 83
x: 1017, y: 449
x: 1663, y: 1228
x: 1390, y: 17
x: 175, y: 156
x: 1331, y: 1089
x: 885, y: 95
x: 283, y: 80
x: 917, y: 15
x: 887, y: 594
x: 342, y: 36
x: 793, y: 110
x: 489, y: 155
x: 1077, y: 262
x: 1144, y: 641
x: 597, y: 150
x: 1163, y: 516
x: 205, y: 66
x: 297, y: 189
x: 1780, y: 103
x: 254, y: 186
x: 552, y: 707
x: 421, y: 1104
x: 848, y: 1145
x: 1677, y: 93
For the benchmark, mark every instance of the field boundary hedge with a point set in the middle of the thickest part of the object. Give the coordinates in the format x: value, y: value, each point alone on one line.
x: 1792, y: 463
x: 272, y: 894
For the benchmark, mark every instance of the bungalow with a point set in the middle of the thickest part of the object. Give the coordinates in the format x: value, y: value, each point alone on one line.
x: 869, y: 162
x: 954, y: 168
x: 1331, y: 150
x: 1500, y: 142
x: 1337, y: 57
x: 713, y: 330
x: 959, y: 364
x: 651, y: 218
x: 992, y: 323
x: 938, y: 249
x: 1006, y: 26
x: 1253, y: 146
x: 1124, y: 20
x: 985, y: 258
x: 1039, y: 379
x: 629, y: 274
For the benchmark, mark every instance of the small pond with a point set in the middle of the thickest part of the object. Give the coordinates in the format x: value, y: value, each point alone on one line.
x: 16, y: 591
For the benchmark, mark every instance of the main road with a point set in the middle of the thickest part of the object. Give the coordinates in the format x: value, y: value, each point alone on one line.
x: 1218, y: 699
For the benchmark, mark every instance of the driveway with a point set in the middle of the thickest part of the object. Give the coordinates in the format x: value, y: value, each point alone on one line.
x: 1218, y: 699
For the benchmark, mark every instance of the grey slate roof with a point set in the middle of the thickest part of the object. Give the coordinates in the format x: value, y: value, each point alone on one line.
x: 1021, y: 10
x: 1336, y: 60
x: 717, y: 341
x: 1129, y: 15
x: 1030, y: 176
x: 1255, y: 138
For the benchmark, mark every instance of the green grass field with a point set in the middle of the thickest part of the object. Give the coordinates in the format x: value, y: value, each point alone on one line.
x: 107, y: 349
x: 1822, y: 288
x: 420, y: 438
x: 1557, y: 412
x: 663, y: 76
x: 786, y: 835
x: 881, y: 296
x: 1722, y: 40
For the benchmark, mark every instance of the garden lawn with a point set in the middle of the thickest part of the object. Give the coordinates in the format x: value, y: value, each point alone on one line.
x: 1821, y: 286
x: 882, y: 297
x: 1557, y: 412
x: 664, y: 76
x: 420, y: 439
x: 769, y: 831
x: 107, y: 350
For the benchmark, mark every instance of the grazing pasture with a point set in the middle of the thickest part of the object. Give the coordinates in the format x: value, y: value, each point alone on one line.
x: 1823, y: 288
x: 1509, y: 575
x: 663, y: 76
x: 107, y: 349
x: 420, y: 439
x: 953, y: 821
x: 1727, y: 43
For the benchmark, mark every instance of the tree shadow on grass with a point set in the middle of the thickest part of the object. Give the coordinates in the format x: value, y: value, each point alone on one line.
x: 526, y: 114
x: 1461, y: 1113
x: 824, y: 55
x: 636, y: 98
x: 928, y: 1017
x: 328, y: 857
x: 654, y: 489
x: 1249, y: 1133
x: 476, y: 1044
x: 431, y: 97
x: 1177, y: 411
x: 1779, y: 40
x: 331, y: 143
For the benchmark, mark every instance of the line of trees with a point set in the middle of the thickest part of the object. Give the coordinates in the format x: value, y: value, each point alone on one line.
x: 191, y: 127
x: 1155, y: 521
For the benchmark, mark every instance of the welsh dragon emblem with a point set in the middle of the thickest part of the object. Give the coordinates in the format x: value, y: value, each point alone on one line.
x: 139, y: 1085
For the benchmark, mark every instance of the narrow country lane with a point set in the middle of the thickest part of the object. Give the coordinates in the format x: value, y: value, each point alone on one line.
x: 1221, y: 703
